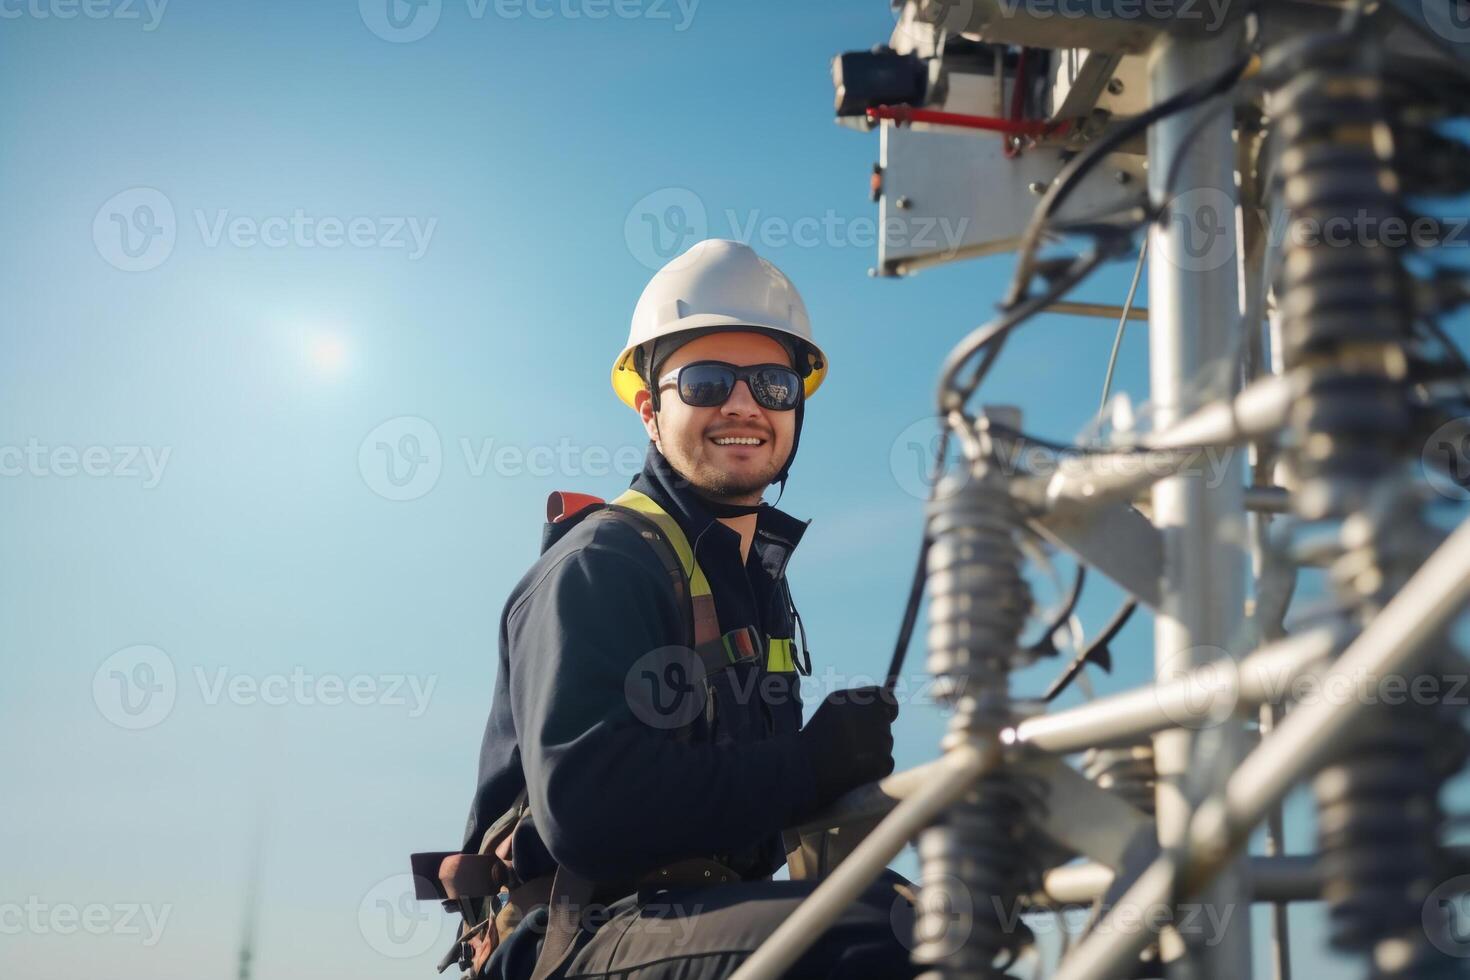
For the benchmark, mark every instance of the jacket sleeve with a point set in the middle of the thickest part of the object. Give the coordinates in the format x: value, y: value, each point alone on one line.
x: 612, y: 795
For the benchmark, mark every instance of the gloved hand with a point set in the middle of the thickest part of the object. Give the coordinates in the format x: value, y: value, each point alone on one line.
x: 849, y: 741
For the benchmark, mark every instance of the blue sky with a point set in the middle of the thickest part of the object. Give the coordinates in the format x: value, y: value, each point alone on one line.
x: 339, y: 240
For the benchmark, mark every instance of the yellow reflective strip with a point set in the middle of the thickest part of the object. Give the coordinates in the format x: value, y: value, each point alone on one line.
x: 698, y: 584
x: 646, y: 505
x: 779, y: 658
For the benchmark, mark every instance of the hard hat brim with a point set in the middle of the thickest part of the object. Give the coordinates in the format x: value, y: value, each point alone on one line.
x: 626, y: 382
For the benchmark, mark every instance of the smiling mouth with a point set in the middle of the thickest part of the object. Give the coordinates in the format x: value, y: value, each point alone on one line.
x: 737, y: 441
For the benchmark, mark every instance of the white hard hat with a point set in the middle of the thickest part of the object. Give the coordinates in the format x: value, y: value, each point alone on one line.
x: 718, y: 284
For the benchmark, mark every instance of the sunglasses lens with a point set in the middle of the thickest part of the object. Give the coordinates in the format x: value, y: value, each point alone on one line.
x: 776, y: 388
x: 705, y: 385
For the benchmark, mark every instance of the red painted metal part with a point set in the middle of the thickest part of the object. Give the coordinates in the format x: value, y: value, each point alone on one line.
x: 1015, y: 127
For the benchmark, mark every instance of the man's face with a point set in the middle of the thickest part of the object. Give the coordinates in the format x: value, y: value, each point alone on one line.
x: 687, y: 436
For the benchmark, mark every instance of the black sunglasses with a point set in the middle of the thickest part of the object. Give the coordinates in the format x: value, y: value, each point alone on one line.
x: 706, y: 384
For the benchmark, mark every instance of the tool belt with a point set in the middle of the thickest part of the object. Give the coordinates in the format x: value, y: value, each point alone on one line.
x: 492, y: 899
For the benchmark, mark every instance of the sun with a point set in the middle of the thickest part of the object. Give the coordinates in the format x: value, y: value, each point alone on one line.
x: 327, y: 353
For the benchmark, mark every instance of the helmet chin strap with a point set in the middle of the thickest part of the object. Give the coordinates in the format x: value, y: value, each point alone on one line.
x: 795, y: 442
x: 729, y: 510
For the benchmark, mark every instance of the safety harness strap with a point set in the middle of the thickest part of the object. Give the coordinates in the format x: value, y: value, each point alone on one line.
x: 570, y: 896
x: 645, y: 505
x: 671, y: 545
x: 735, y: 647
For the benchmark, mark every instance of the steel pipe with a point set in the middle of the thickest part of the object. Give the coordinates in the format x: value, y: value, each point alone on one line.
x: 957, y: 771
x: 1396, y: 641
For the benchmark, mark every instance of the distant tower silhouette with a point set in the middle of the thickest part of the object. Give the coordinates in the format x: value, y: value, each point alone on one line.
x: 252, y: 903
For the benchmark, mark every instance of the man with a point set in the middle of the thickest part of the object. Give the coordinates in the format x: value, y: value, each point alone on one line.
x: 590, y: 776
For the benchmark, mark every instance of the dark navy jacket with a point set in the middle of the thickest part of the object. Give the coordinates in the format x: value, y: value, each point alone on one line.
x: 611, y: 796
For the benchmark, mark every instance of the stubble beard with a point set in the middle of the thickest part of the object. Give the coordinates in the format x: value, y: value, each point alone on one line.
x: 721, y: 485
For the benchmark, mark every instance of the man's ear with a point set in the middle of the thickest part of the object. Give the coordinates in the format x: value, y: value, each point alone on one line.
x: 643, y: 402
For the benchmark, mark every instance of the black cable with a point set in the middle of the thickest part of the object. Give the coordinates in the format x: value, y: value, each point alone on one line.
x: 953, y: 397
x: 1438, y: 332
x: 1066, y: 181
x: 916, y: 584
x: 1045, y: 646
x: 992, y: 352
x: 1092, y: 650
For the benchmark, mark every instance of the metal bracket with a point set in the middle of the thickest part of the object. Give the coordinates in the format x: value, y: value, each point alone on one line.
x: 1116, y: 540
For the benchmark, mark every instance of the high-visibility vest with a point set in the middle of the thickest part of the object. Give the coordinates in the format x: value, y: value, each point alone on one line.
x: 717, y: 649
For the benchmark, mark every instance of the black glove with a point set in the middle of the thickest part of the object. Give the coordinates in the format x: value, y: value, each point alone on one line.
x: 849, y: 741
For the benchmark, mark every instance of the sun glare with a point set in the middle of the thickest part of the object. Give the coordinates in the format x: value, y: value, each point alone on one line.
x: 327, y: 353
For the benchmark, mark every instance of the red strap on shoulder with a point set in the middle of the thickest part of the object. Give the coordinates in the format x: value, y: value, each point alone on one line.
x: 563, y: 504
